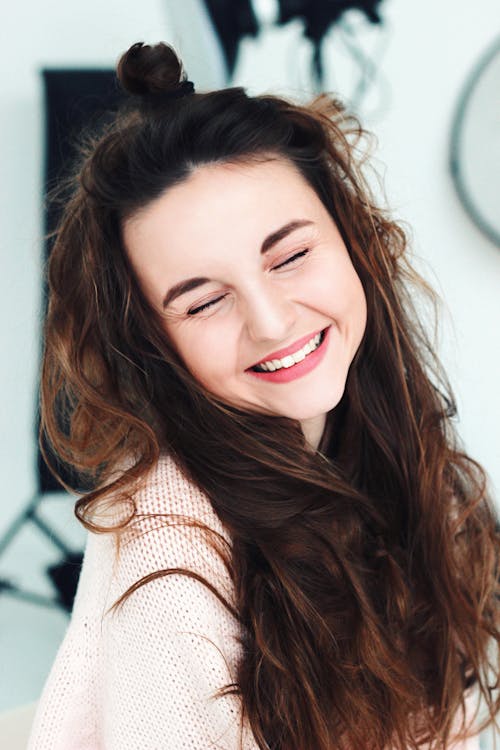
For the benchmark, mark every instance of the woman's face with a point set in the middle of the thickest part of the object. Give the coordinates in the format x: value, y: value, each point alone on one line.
x: 247, y: 268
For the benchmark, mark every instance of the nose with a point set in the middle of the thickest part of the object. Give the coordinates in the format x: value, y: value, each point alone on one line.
x: 270, y: 315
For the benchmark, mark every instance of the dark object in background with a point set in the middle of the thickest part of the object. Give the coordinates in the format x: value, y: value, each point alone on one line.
x: 235, y: 20
x: 64, y: 576
x: 232, y: 20
x: 319, y: 16
x: 75, y: 100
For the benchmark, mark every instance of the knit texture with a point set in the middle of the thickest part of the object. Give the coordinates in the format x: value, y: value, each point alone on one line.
x: 142, y: 677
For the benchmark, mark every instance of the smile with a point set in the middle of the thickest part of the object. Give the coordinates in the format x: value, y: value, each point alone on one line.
x: 271, y: 365
x: 293, y: 364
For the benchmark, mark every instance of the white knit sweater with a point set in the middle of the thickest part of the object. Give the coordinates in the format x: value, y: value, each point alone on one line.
x: 142, y: 678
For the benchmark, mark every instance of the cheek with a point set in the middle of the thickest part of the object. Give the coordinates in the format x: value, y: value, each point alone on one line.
x: 339, y: 292
x: 316, y: 286
x: 348, y: 288
x: 207, y: 353
x: 357, y: 311
x: 335, y: 284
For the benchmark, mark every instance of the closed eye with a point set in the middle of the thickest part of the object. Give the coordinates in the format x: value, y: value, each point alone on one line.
x: 198, y: 309
x: 292, y: 258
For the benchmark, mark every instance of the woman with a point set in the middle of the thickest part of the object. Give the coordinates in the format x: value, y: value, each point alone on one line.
x: 286, y: 538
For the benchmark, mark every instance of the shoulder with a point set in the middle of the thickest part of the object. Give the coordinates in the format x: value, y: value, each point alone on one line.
x: 167, y: 489
x: 174, y: 528
x: 167, y: 497
x: 173, y: 644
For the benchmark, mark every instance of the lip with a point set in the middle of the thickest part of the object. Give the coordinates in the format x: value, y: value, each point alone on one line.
x: 280, y: 353
x: 299, y: 369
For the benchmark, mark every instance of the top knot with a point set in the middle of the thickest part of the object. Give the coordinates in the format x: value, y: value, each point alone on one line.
x: 153, y: 73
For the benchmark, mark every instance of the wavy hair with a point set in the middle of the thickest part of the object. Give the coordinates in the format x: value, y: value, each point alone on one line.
x: 365, y: 572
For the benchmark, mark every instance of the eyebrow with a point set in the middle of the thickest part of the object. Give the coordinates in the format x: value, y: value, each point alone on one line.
x: 272, y: 239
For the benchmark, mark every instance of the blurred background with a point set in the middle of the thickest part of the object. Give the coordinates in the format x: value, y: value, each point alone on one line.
x: 424, y: 77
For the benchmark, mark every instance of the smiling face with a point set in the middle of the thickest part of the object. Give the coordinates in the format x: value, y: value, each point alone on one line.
x: 246, y: 266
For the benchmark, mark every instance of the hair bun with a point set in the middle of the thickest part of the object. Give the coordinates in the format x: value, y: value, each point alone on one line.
x: 146, y: 70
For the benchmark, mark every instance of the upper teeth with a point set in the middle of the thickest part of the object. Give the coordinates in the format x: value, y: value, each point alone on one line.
x: 291, y: 359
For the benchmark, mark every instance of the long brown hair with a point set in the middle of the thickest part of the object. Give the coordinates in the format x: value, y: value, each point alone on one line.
x: 365, y: 573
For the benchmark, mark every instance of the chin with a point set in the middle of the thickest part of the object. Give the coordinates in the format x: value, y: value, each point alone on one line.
x: 310, y: 410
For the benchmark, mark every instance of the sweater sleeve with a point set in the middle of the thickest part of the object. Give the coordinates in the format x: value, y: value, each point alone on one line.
x: 173, y: 643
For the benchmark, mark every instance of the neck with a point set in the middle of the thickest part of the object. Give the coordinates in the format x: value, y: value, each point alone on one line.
x: 313, y: 429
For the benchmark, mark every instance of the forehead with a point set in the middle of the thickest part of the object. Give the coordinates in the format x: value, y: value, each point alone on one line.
x: 219, y: 212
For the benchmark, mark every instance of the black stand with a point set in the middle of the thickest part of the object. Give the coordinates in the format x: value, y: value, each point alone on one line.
x: 64, y: 575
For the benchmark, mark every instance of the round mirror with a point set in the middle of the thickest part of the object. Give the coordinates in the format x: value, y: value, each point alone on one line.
x: 475, y: 144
